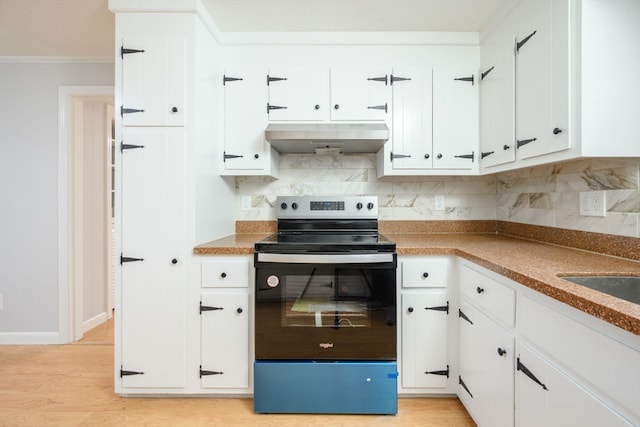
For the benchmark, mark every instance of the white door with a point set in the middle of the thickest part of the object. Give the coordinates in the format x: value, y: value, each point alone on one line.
x: 360, y: 93
x: 298, y: 93
x: 245, y: 118
x: 224, y: 319
x: 425, y: 361
x: 412, y: 119
x: 153, y: 233
x: 455, y: 118
x: 153, y: 81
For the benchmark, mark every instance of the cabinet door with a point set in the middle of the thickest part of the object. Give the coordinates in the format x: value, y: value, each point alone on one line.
x: 486, y: 354
x: 412, y: 119
x: 360, y: 93
x: 542, y: 78
x: 425, y: 362
x: 497, y: 102
x: 298, y: 93
x: 153, y: 287
x: 153, y: 81
x: 546, y: 397
x: 245, y: 119
x: 224, y: 321
x: 455, y: 118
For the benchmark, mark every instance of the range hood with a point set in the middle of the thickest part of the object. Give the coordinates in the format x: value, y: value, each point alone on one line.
x: 327, y: 138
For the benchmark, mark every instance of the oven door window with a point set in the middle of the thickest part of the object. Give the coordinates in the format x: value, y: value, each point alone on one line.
x: 326, y: 312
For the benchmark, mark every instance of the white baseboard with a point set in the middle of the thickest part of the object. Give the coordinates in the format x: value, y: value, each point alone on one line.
x: 99, y: 319
x: 28, y: 338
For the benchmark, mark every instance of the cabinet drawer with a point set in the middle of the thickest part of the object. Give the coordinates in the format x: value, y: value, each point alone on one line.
x: 424, y: 272
x: 497, y: 299
x: 225, y: 272
x: 606, y: 363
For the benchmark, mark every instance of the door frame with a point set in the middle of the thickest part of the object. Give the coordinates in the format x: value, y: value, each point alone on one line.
x: 70, y: 256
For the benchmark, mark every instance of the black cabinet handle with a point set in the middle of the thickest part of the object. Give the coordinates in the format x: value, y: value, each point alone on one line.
x: 336, y: 107
x: 506, y: 147
x: 501, y: 351
x: 426, y: 156
x: 425, y: 274
x: 174, y: 109
x: 557, y: 131
x: 479, y: 290
x: 317, y: 107
x: 223, y: 274
x: 410, y: 309
x: 439, y: 156
x: 256, y: 156
x: 239, y: 310
x: 174, y: 261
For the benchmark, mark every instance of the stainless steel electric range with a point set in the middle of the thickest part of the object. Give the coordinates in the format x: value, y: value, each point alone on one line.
x: 325, y: 310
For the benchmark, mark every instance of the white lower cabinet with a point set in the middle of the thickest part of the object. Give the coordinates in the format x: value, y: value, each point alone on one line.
x: 485, y: 382
x: 527, y: 360
x: 427, y: 336
x: 548, y: 397
x: 224, y: 319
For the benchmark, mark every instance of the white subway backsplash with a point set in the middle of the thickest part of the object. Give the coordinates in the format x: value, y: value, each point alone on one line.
x: 545, y: 195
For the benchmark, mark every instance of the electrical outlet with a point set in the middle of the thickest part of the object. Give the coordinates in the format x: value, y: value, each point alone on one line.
x: 246, y: 203
x: 438, y: 202
x: 593, y: 203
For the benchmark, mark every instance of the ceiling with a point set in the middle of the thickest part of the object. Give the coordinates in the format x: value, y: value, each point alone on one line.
x: 85, y: 28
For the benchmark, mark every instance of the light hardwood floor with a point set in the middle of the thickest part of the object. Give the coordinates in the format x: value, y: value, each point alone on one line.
x: 72, y: 385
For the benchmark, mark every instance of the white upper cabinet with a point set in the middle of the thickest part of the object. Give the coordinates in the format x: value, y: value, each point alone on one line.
x: 412, y: 140
x: 542, y: 78
x: 455, y: 117
x: 297, y: 93
x: 153, y: 81
x: 246, y: 151
x: 497, y: 108
x: 360, y: 93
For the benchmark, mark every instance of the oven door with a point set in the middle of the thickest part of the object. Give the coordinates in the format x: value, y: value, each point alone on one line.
x: 325, y: 307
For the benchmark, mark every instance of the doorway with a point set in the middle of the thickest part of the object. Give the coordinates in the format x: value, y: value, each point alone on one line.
x: 86, y: 159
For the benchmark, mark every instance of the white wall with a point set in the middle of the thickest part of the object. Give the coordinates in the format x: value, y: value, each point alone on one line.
x: 29, y: 188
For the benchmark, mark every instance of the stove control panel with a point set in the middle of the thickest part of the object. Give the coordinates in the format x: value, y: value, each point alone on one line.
x: 327, y: 207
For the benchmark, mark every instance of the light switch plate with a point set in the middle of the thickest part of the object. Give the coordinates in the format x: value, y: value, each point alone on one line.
x: 246, y: 203
x: 593, y: 203
x: 438, y: 202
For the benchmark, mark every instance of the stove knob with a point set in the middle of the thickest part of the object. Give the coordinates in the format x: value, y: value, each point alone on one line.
x: 294, y: 205
x: 358, y: 205
x: 370, y: 205
x: 283, y: 205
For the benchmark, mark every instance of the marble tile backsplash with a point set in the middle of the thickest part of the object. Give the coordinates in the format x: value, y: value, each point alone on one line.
x: 544, y: 195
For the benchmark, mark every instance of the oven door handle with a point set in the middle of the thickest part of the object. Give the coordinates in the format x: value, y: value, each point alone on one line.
x: 326, y: 258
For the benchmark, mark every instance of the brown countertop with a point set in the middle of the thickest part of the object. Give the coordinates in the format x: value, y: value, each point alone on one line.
x: 533, y: 264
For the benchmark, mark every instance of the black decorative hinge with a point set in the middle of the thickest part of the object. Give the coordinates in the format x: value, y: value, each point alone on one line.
x: 380, y: 79
x: 486, y: 73
x: 274, y: 79
x: 124, y: 111
x: 124, y: 51
x: 467, y: 79
x: 527, y: 372
x: 464, y: 316
x: 444, y: 373
x: 466, y: 156
x: 486, y: 154
x: 522, y: 142
x: 124, y: 373
x: 398, y: 79
x: 203, y: 373
x: 226, y: 156
x: 208, y: 308
x: 464, y: 386
x: 379, y: 107
x: 523, y: 41
x: 226, y: 79
x: 274, y: 107
x: 439, y: 308
x: 124, y: 146
x: 399, y: 156
x: 124, y: 259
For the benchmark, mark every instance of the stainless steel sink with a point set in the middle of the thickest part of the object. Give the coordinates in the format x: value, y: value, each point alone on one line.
x: 623, y: 287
